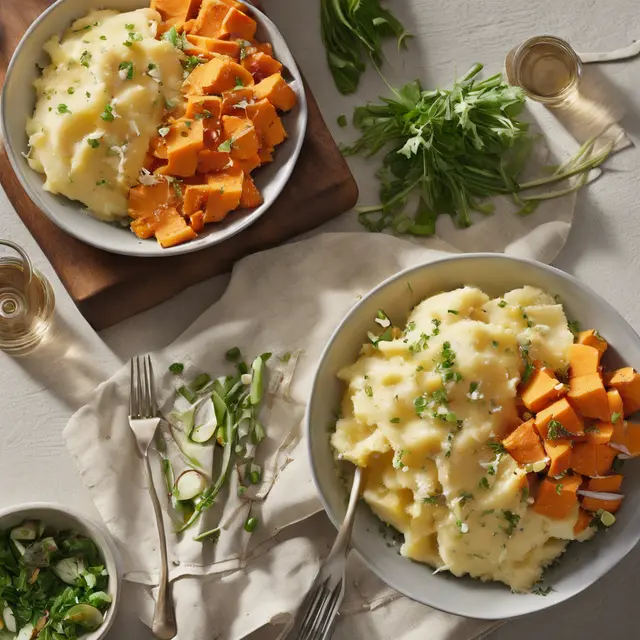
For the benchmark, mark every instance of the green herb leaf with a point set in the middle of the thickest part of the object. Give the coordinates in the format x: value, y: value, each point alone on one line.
x: 62, y: 108
x: 176, y: 368
x: 94, y: 143
x: 107, y: 115
x: 484, y: 483
x: 226, y: 146
x: 512, y: 521
x: 342, y: 121
x: 128, y: 68
x: 85, y: 59
x: 615, y: 416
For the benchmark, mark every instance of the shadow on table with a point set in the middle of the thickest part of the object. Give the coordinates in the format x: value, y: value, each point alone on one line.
x: 63, y: 363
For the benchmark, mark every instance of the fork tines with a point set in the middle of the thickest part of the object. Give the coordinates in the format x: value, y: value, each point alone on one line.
x: 142, y: 403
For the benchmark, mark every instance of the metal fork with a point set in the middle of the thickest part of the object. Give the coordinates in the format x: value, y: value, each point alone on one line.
x: 316, y: 617
x: 144, y: 421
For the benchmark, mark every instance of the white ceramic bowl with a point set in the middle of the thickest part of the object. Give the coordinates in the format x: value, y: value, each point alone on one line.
x: 18, y: 100
x: 61, y: 517
x: 583, y: 563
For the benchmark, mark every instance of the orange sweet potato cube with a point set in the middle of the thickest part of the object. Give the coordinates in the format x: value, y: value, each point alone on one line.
x: 195, y: 198
x: 146, y: 200
x: 627, y: 382
x: 173, y: 229
x: 616, y: 406
x: 230, y: 99
x: 261, y: 65
x: 204, y: 107
x: 214, y: 45
x: 591, y: 459
x: 176, y: 10
x: 267, y: 123
x: 251, y: 197
x: 632, y: 440
x: 524, y: 444
x: 599, y: 433
x: 583, y: 360
x: 562, y: 412
x: 185, y: 140
x: 588, y: 395
x: 559, y: 452
x: 541, y: 390
x: 593, y: 339
x: 225, y: 191
x: 247, y: 165
x: 557, y: 498
x: 607, y: 484
x: 596, y: 504
x: 144, y: 227
x: 210, y: 18
x: 276, y: 90
x: 196, y: 221
x: 217, y: 76
x: 210, y: 161
x: 583, y: 521
x: 238, y: 24
x: 240, y: 135
x: 266, y: 155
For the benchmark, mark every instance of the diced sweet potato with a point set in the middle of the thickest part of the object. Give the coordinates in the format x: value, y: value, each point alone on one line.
x: 158, y: 146
x: 559, y: 452
x: 591, y: 459
x: 266, y: 155
x: 627, y: 382
x: 210, y: 161
x: 265, y: 47
x: 616, y: 407
x: 238, y: 24
x: 185, y: 140
x: 204, y: 107
x: 562, y: 412
x: 251, y: 197
x: 524, y: 444
x: 241, y: 135
x: 599, y: 433
x: 172, y: 229
x: 214, y: 45
x: 196, y: 221
x: 225, y: 193
x: 609, y: 484
x: 234, y: 97
x: 210, y: 18
x: 541, y: 390
x: 268, y: 125
x: 261, y: 65
x: 557, y: 498
x: 583, y: 360
x: 633, y: 438
x: 588, y: 395
x: 145, y: 227
x: 276, y: 90
x: 217, y: 76
x: 146, y: 200
x: 247, y: 164
x: 195, y: 198
x: 593, y: 339
x: 583, y: 521
x: 178, y: 10
x: 594, y: 504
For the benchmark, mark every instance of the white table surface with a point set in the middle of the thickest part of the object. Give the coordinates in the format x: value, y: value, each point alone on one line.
x: 36, y: 398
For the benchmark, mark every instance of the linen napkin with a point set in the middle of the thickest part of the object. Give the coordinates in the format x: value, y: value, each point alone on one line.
x: 287, y: 300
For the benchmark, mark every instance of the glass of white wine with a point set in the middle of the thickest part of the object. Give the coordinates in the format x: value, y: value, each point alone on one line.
x: 26, y: 302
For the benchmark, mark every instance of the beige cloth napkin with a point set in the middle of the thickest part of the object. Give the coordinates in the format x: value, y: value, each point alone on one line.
x: 284, y: 300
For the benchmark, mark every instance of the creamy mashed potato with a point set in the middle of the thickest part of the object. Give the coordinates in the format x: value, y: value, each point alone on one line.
x: 99, y: 102
x: 420, y: 415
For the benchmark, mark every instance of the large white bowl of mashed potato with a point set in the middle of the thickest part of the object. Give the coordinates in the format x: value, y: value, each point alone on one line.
x: 84, y: 94
x: 445, y: 517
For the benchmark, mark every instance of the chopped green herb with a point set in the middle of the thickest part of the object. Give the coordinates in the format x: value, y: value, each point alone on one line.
x: 103, y: 37
x: 85, y: 59
x: 512, y: 521
x: 484, y: 483
x: 397, y: 459
x: 178, y: 40
x: 101, y: 183
x: 191, y: 62
x: 204, y: 115
x: 87, y: 94
x: 342, y: 121
x: 85, y: 28
x: 465, y: 496
x: 462, y: 526
x: 94, y: 143
x: 556, y: 431
x: 129, y: 26
x: 394, y: 420
x: 574, y: 327
x: 559, y: 488
x: 369, y: 391
x: 71, y: 91
x: 431, y: 500
x: 107, y: 115
x: 226, y: 146
x: 62, y: 108
x: 152, y: 66
x: 452, y: 311
x: 502, y: 304
x: 495, y: 344
x: 615, y: 416
x: 177, y: 188
x: 239, y: 83
x: 176, y: 368
x: 541, y: 590
x: 128, y: 68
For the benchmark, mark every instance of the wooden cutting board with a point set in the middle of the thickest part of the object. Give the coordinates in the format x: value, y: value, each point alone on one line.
x: 109, y: 288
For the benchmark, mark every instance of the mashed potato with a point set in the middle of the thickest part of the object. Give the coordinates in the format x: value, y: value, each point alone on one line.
x: 99, y: 102
x: 421, y: 413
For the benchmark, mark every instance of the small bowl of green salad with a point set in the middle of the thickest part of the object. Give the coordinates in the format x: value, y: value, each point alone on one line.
x: 59, y: 577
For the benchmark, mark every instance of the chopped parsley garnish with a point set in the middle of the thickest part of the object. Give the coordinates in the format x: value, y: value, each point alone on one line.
x: 465, y: 496
x: 394, y: 420
x: 529, y: 367
x: 226, y: 146
x: 87, y: 94
x: 85, y: 59
x: 131, y: 38
x: 94, y: 143
x: 71, y: 91
x: 484, y: 483
x: 410, y: 327
x: 152, y: 66
x: 178, y: 40
x: 85, y: 28
x: 128, y: 67
x: 103, y: 37
x: 502, y: 304
x: 191, y: 63
x: 431, y: 500
x: 62, y: 108
x: 559, y: 488
x: 451, y: 311
x: 556, y: 431
x: 176, y: 368
x: 473, y: 387
x: 130, y: 26
x: 369, y: 391
x: 397, y: 459
x: 512, y: 521
x: 101, y: 183
x: 177, y: 188
x: 615, y: 416
x: 204, y: 115
x: 463, y: 527
x: 574, y: 327
x: 541, y: 590
x: 495, y: 344
x: 107, y: 114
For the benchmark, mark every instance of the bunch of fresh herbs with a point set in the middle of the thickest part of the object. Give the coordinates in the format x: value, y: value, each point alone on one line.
x: 352, y: 31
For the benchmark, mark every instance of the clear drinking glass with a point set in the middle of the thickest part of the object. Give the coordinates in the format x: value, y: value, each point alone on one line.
x: 547, y: 68
x: 26, y: 302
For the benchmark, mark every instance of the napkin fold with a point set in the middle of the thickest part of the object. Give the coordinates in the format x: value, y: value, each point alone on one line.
x: 286, y: 300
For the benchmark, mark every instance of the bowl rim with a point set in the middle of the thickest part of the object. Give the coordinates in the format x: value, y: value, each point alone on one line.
x: 188, y: 247
x: 100, y: 537
x: 622, y: 550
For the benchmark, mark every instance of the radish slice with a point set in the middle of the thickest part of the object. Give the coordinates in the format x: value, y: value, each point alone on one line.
x: 600, y: 495
x: 26, y: 531
x: 26, y: 633
x: 9, y: 620
x: 620, y: 447
x: 190, y: 484
x: 206, y: 422
x: 69, y: 569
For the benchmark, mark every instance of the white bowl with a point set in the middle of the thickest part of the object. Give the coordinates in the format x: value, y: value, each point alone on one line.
x: 583, y: 563
x: 61, y: 517
x: 18, y: 100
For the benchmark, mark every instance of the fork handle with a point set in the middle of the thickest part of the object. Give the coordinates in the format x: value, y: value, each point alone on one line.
x: 164, y: 621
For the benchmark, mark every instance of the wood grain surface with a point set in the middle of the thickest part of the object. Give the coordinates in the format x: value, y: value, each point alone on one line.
x: 109, y: 288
